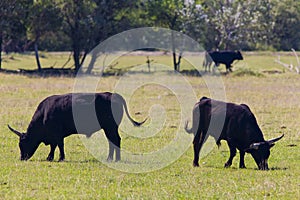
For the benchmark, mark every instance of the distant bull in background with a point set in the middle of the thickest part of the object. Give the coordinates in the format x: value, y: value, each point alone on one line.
x: 221, y: 57
x: 53, y: 121
x: 240, y: 130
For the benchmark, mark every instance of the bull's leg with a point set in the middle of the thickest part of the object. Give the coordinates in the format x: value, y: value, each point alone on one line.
x: 114, y: 141
x: 61, y: 150
x: 110, y: 151
x: 209, y: 66
x: 228, y: 68
x: 214, y: 68
x: 118, y: 147
x: 204, y: 65
x: 232, y: 154
x: 242, y: 156
x: 198, y: 142
x: 52, y: 150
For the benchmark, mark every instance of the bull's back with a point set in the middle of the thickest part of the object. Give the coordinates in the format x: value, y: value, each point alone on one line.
x: 224, y: 57
x: 56, y: 113
x: 223, y: 115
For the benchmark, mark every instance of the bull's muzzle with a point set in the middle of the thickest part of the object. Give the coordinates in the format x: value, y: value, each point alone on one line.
x: 263, y: 165
x: 24, y: 157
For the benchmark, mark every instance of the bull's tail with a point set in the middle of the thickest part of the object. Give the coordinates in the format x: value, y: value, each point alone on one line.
x: 122, y: 100
x: 187, y: 129
x: 196, y: 119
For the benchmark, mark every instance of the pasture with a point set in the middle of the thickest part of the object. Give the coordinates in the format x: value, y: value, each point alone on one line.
x: 271, y: 91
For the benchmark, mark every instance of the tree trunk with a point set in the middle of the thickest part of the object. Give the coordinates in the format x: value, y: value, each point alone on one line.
x: 83, y: 58
x: 76, y: 56
x: 173, y: 51
x: 174, y: 60
x: 0, y: 51
x: 179, y: 61
x: 37, y: 58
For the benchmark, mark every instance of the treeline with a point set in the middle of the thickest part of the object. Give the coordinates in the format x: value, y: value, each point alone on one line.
x: 79, y: 25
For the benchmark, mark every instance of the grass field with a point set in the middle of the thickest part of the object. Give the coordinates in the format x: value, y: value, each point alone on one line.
x: 271, y: 91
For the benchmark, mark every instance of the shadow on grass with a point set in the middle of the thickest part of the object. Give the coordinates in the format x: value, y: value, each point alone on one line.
x: 69, y: 72
x: 278, y: 168
x: 45, y: 72
x: 65, y: 72
x: 237, y: 168
x: 65, y: 161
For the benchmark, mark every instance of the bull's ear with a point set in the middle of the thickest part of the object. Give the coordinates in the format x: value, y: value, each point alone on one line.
x: 253, y: 146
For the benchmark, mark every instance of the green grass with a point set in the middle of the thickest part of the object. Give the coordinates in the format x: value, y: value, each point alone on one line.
x: 273, y: 97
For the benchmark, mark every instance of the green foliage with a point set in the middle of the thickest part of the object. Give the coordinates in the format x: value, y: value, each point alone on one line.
x: 87, y: 23
x: 286, y: 30
x: 81, y: 25
x: 44, y: 17
x: 236, y: 24
x: 166, y: 13
x: 247, y: 72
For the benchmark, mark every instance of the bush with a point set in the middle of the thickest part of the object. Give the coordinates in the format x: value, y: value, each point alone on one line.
x: 247, y: 72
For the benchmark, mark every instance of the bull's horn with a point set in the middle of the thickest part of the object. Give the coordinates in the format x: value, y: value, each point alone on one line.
x: 272, y: 141
x: 15, y: 131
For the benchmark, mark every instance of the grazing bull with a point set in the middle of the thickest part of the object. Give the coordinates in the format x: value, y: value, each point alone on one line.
x: 240, y: 130
x: 221, y: 57
x: 53, y: 120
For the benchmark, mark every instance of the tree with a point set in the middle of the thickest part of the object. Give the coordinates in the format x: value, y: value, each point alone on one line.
x: 167, y: 13
x: 111, y: 17
x: 286, y: 29
x: 6, y: 7
x: 78, y: 25
x: 234, y: 23
x: 193, y: 23
x: 11, y: 13
x: 43, y: 18
x: 89, y: 22
x: 13, y: 17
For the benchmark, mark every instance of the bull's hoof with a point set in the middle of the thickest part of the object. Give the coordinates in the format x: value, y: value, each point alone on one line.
x: 50, y: 158
x: 227, y: 165
x: 264, y: 169
x: 61, y: 160
x: 242, y: 166
x: 196, y: 164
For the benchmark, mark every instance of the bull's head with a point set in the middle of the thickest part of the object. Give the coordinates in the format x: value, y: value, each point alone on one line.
x: 27, y: 147
x: 239, y: 55
x: 260, y: 151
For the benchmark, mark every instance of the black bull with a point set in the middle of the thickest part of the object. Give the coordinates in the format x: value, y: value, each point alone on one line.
x: 53, y: 121
x: 240, y: 130
x: 221, y: 57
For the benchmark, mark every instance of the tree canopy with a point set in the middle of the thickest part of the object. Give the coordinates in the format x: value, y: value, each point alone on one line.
x: 78, y: 26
